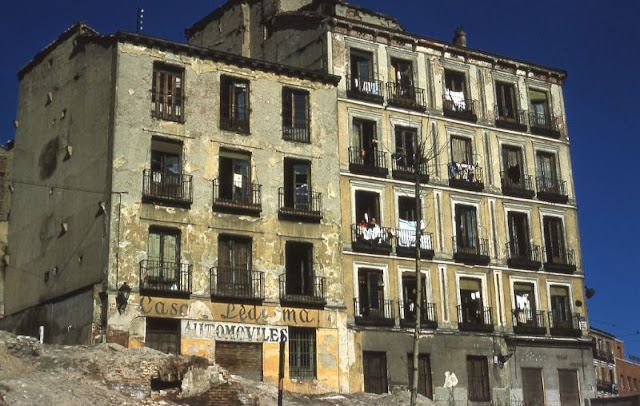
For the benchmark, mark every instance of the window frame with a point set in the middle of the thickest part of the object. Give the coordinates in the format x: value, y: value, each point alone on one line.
x: 228, y: 104
x: 233, y: 157
x: 501, y: 87
x: 168, y: 92
x: 291, y: 128
x: 292, y: 183
x: 304, y: 283
x: 302, y: 365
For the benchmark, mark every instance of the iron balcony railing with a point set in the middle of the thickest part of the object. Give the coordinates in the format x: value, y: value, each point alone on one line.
x: 239, y: 124
x: 374, y: 312
x: 474, y: 318
x: 605, y: 386
x: 230, y: 283
x: 368, y: 161
x: 404, y: 168
x: 517, y: 184
x: 471, y: 250
x: 544, y: 124
x: 167, y: 187
x: 297, y: 133
x: 167, y: 106
x: 564, y: 323
x: 604, y: 356
x: 524, y: 255
x: 248, y: 197
x: 165, y: 277
x: 405, y: 96
x: 507, y: 117
x: 551, y: 189
x: 559, y: 259
x: 458, y: 107
x: 526, y: 321
x: 408, y: 314
x: 302, y: 291
x: 371, y: 238
x: 466, y: 176
x: 301, y: 204
x: 370, y: 89
x: 406, y: 243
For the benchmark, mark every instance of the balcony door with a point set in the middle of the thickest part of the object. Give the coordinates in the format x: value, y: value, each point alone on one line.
x: 560, y: 306
x: 410, y: 296
x: 166, y: 171
x: 402, y: 76
x: 461, y: 151
x: 297, y: 186
x: 361, y: 68
x: 539, y: 107
x: 164, y: 255
x: 365, y: 141
x: 371, y: 293
x: 471, y: 304
x: 525, y: 301
x: 506, y: 101
x: 547, y: 171
x: 518, y: 235
x: 466, y: 229
x: 406, y: 143
x: 554, y: 240
x: 234, y: 266
x: 235, y: 176
x: 513, y: 166
x: 299, y: 268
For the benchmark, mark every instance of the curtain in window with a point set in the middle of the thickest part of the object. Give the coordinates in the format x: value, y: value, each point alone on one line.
x: 466, y: 226
x: 461, y: 150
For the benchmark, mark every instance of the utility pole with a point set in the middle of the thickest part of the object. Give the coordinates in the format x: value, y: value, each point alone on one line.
x: 418, y: 161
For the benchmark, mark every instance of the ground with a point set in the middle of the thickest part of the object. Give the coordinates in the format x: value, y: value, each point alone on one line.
x: 109, y: 374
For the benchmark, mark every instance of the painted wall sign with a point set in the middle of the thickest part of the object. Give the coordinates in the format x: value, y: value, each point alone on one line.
x: 237, y: 332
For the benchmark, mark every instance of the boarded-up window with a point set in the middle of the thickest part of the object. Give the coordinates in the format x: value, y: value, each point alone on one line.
x: 532, y: 387
x: 478, y: 379
x: 244, y: 359
x: 163, y: 335
x: 374, y: 367
x: 424, y: 374
x: 569, y: 391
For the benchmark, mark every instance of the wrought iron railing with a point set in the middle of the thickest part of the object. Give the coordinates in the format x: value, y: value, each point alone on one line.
x: 474, y: 317
x: 405, y: 96
x: 168, y: 187
x: 543, y: 121
x: 167, y: 106
x: 403, y: 167
x: 462, y: 173
x: 239, y: 124
x: 458, y: 107
x: 509, y: 117
x: 527, y: 321
x: 406, y: 242
x: 364, y: 159
x: 408, y: 313
x: 245, y: 197
x: 604, y: 356
x: 371, y: 238
x: 559, y: 256
x: 300, y: 203
x: 518, y: 254
x: 551, y: 185
x: 472, y: 246
x: 236, y: 283
x: 563, y: 322
x: 165, y: 276
x: 365, y: 89
x: 378, y: 310
x: 300, y: 133
x: 303, y: 291
x: 516, y: 181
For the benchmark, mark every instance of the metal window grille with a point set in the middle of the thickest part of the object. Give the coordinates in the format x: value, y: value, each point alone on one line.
x: 302, y: 353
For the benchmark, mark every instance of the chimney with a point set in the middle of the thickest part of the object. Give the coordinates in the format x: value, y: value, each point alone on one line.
x: 460, y: 37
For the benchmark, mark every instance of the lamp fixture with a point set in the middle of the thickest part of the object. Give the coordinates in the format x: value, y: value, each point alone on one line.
x: 123, y: 297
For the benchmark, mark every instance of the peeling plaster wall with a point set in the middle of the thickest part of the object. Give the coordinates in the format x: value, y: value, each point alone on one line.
x: 57, y: 235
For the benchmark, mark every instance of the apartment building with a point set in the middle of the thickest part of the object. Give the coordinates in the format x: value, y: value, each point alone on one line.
x: 627, y: 371
x: 503, y: 315
x: 604, y: 361
x: 179, y: 198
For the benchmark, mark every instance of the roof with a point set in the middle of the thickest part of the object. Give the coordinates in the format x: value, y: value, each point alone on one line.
x: 601, y: 332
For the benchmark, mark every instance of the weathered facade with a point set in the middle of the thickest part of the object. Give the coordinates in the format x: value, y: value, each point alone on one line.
x: 504, y: 306
x: 180, y: 198
x: 605, y: 351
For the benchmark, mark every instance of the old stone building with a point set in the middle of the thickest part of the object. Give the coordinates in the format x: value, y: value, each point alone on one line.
x: 504, y: 307
x: 606, y: 348
x: 180, y: 198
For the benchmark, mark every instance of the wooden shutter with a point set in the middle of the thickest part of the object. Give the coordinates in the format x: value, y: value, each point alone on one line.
x: 569, y: 390
x: 532, y: 387
x: 478, y: 379
x: 374, y: 368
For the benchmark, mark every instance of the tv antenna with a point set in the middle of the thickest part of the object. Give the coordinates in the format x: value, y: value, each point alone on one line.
x: 139, y: 20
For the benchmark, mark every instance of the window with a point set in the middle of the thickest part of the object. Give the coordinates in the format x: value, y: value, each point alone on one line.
x: 367, y: 206
x: 466, y: 228
x: 478, y: 376
x: 554, y: 240
x: 167, y: 92
x: 539, y: 108
x: 506, y: 101
x: 234, y: 266
x: 455, y: 92
x: 424, y: 374
x: 410, y: 297
x: 513, y: 167
x: 518, y: 234
x: 560, y: 306
x: 402, y: 77
x: 461, y: 151
x: 299, y: 268
x: 371, y: 293
x: 547, y: 172
x: 406, y: 143
x: 235, y: 176
x: 364, y: 142
x: 471, y: 304
x: 302, y: 353
x: 162, y: 267
x: 163, y: 334
x: 295, y: 115
x: 363, y: 76
x: 166, y: 169
x: 234, y: 104
x: 406, y: 233
x: 525, y: 301
x: 297, y: 184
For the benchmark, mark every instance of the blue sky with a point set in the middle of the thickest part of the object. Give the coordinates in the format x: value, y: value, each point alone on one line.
x: 595, y: 41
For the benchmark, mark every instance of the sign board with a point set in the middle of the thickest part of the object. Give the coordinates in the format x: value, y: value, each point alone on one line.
x: 235, y: 332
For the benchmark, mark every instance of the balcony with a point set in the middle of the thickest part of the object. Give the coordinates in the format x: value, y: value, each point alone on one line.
x: 297, y: 134
x: 306, y: 292
x: 552, y: 189
x: 239, y: 200
x: 603, y: 356
x: 428, y: 319
x: 516, y: 184
x: 510, y: 119
x: 563, y: 323
x: 529, y: 322
x: 455, y: 105
x: 242, y: 285
x: 378, y: 313
x: 605, y: 386
x: 406, y: 243
x: 307, y: 206
x: 407, y: 97
x: 164, y: 278
x: 472, y: 318
x: 166, y: 188
x: 368, y: 90
x: 544, y: 124
x: 368, y: 161
x: 371, y: 239
x: 474, y: 252
x: 560, y: 260
x: 239, y: 125
x: 403, y: 168
x: 465, y: 176
x: 527, y: 257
